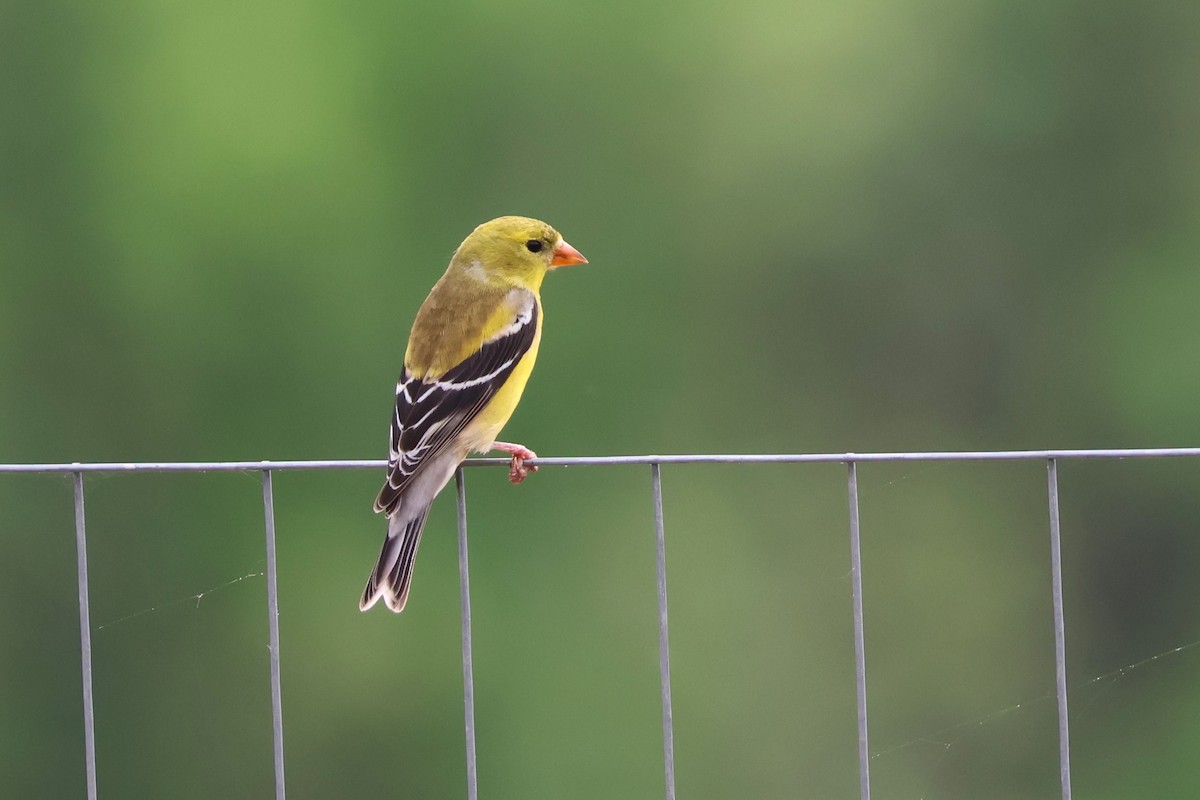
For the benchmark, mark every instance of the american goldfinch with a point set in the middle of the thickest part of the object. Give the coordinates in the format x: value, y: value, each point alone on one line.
x: 469, y: 355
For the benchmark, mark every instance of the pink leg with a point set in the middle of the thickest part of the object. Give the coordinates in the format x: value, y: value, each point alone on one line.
x: 519, y: 452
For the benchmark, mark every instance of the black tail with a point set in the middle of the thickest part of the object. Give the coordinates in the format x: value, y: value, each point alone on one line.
x: 393, y: 572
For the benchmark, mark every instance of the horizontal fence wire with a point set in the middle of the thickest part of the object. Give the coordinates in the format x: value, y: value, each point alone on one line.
x: 598, y: 461
x: 266, y: 468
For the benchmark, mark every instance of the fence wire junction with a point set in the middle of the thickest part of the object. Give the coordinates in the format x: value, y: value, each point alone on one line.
x: 655, y: 462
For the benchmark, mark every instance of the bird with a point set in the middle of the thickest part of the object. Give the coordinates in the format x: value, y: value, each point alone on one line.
x: 470, y: 352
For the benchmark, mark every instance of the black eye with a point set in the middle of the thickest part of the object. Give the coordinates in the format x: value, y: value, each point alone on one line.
x: 534, y: 245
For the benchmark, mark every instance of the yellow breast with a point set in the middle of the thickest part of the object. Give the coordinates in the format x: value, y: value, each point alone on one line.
x: 484, y: 429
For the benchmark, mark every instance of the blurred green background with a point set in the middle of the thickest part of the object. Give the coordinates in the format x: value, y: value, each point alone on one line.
x: 823, y: 227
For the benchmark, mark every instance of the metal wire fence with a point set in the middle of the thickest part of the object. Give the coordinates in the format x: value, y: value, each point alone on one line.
x: 77, y: 472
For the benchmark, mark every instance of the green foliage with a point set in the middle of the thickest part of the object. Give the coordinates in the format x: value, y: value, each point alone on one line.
x: 853, y: 226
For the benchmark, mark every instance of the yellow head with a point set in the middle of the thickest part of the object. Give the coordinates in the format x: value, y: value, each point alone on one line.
x: 516, y: 250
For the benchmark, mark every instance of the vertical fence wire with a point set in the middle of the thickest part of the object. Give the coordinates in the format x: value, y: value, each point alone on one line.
x: 464, y: 583
x: 860, y: 652
x: 664, y: 648
x: 1060, y: 632
x: 273, y: 625
x: 85, y: 638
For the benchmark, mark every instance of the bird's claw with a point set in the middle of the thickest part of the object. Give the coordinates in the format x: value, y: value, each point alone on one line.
x: 517, y: 471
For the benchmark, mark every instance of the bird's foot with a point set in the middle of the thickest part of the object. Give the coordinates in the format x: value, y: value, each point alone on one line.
x: 517, y: 471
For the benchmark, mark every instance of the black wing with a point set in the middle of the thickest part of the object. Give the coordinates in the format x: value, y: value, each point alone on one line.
x: 430, y: 414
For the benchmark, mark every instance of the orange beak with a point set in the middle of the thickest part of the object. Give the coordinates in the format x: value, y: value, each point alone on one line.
x: 565, y: 256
